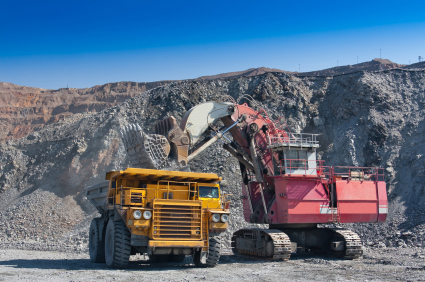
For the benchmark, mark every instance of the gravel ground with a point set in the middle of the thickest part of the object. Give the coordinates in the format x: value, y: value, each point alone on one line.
x: 377, y: 265
x: 365, y: 118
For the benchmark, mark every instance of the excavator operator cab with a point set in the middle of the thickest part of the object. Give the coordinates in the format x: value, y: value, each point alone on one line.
x: 296, y: 156
x: 295, y: 161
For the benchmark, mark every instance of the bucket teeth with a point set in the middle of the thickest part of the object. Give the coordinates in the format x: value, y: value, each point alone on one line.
x: 145, y: 150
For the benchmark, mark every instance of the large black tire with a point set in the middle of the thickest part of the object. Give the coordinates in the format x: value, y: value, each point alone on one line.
x: 213, y: 255
x: 96, y: 242
x: 117, y: 244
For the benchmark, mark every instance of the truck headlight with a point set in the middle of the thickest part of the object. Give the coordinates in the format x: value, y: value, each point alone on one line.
x: 224, y: 217
x: 137, y: 214
x: 216, y: 217
x: 147, y: 214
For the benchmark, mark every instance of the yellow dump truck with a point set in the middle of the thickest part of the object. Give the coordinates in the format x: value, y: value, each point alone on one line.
x: 164, y: 214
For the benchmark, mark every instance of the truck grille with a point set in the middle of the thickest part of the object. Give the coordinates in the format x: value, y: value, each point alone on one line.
x: 177, y: 220
x: 136, y: 198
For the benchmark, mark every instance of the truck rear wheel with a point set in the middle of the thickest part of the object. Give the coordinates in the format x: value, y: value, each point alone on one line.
x: 96, y: 242
x: 117, y: 244
x: 213, y: 255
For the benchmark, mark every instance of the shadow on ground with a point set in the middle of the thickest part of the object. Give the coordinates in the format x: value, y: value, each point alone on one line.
x: 86, y: 264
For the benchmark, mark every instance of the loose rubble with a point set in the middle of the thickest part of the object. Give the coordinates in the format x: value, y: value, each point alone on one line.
x: 365, y: 118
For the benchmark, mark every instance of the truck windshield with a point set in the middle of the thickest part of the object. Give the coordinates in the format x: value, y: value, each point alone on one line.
x: 208, y: 192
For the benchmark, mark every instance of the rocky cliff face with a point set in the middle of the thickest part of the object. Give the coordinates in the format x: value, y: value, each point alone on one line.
x: 26, y: 109
x: 374, y: 65
x: 366, y: 118
x: 248, y: 72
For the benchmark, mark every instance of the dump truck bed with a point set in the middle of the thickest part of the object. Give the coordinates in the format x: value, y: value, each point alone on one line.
x: 97, y: 194
x: 156, y: 175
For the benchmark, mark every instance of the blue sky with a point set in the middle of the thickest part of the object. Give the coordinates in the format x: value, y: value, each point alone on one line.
x: 52, y: 44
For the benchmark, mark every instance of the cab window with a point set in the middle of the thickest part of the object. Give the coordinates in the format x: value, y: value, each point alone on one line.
x: 296, y: 159
x: 208, y: 192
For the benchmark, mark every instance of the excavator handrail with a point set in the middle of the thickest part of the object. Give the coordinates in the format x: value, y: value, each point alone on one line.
x: 295, y: 139
x: 357, y: 173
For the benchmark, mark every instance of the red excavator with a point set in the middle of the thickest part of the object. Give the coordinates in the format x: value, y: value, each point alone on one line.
x: 283, y: 184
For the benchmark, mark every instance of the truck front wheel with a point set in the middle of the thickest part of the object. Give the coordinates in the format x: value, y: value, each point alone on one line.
x: 213, y: 255
x: 96, y: 242
x: 117, y: 244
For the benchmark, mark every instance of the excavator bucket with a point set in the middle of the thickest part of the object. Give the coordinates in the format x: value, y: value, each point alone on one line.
x: 145, y: 150
x: 171, y: 141
x: 179, y: 140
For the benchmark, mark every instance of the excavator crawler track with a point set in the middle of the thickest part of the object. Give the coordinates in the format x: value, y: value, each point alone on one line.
x: 353, y: 243
x: 270, y: 244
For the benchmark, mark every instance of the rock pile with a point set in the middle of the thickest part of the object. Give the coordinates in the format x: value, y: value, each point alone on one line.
x: 366, y: 118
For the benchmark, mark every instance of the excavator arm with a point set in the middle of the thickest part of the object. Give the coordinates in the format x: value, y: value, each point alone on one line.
x: 180, y: 143
x: 175, y: 145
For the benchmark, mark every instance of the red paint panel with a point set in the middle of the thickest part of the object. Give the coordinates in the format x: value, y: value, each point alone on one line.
x: 256, y: 198
x: 301, y: 202
x: 382, y: 202
x: 261, y: 141
x: 281, y: 201
x: 308, y: 212
x: 273, y: 214
x: 305, y: 190
x: 356, y: 211
x: 357, y: 201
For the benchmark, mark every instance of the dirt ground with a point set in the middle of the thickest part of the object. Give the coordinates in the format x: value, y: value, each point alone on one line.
x: 376, y: 265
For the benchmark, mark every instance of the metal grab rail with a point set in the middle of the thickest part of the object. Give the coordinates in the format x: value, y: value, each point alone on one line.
x: 168, y: 188
x: 332, y: 172
x: 358, y: 173
x: 121, y: 191
x: 302, y: 139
